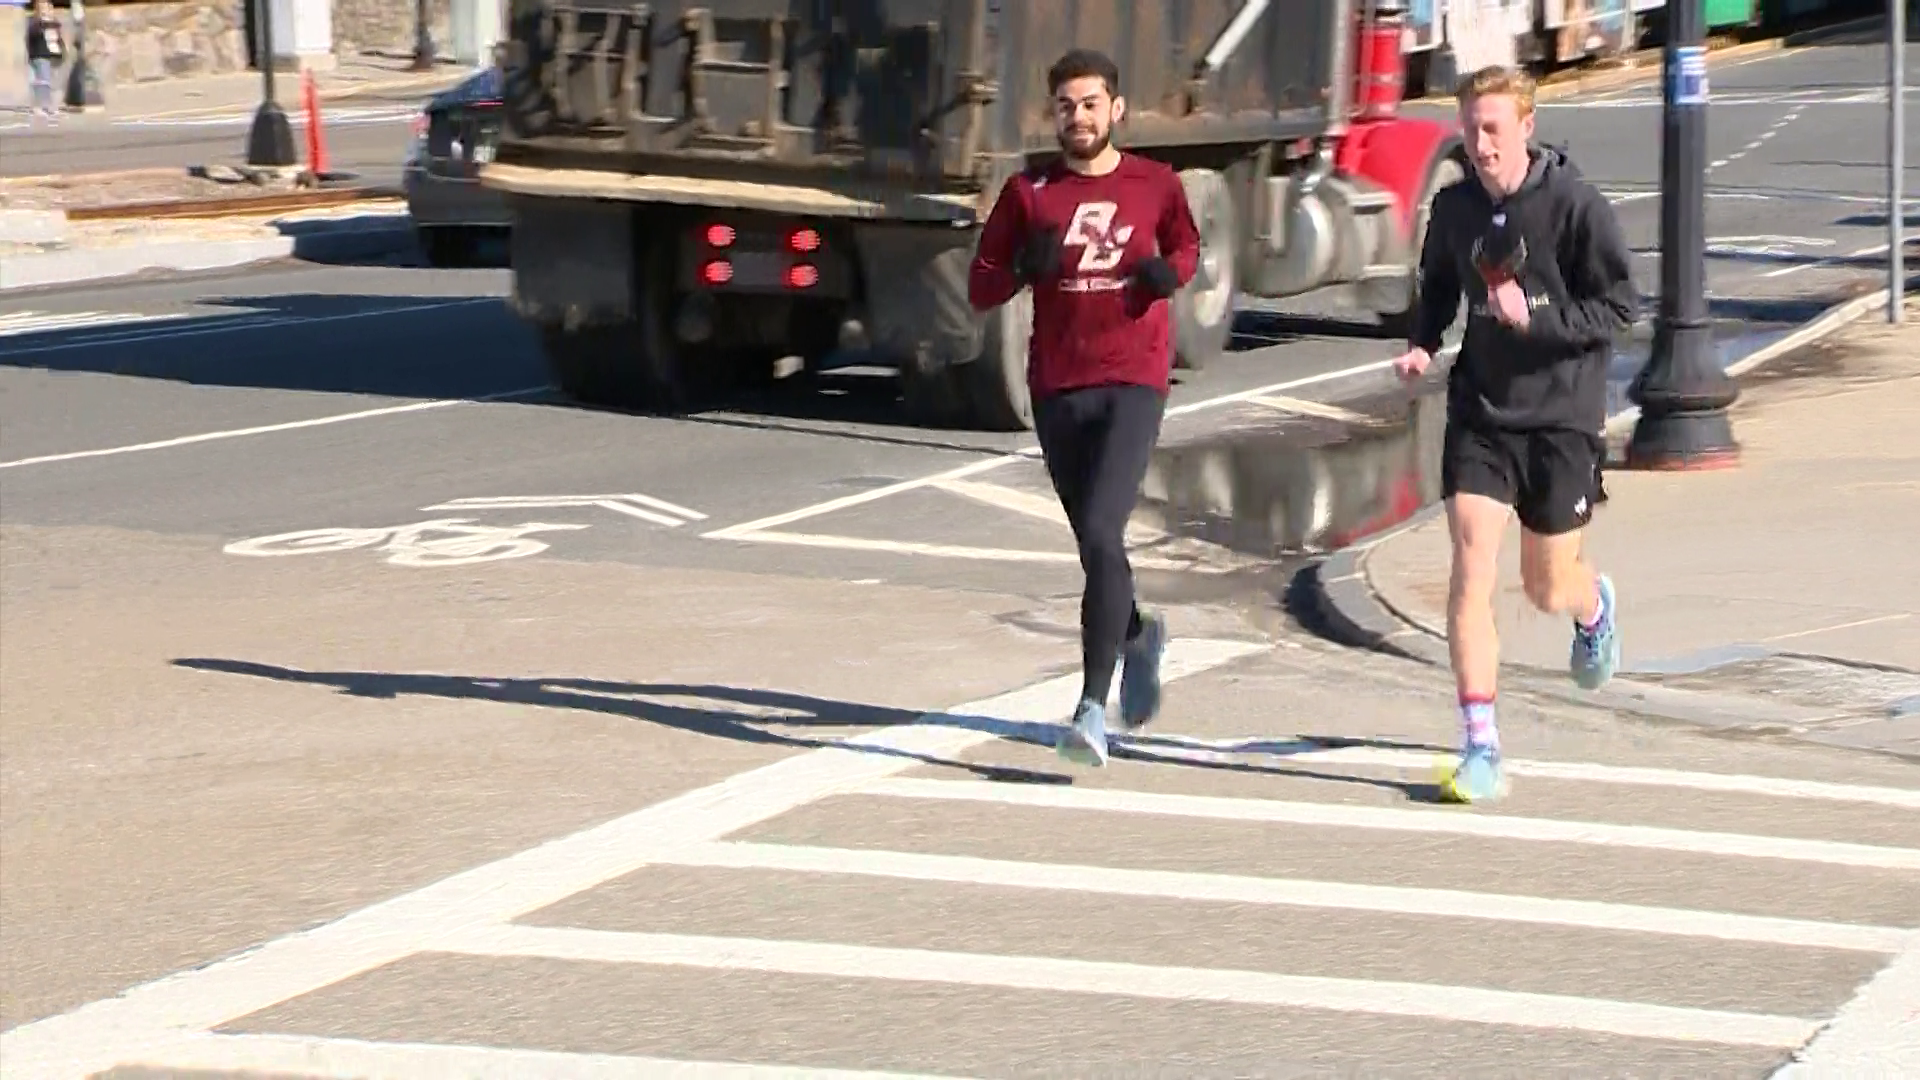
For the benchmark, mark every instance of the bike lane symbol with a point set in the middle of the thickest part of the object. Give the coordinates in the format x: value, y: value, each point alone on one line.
x: 440, y: 542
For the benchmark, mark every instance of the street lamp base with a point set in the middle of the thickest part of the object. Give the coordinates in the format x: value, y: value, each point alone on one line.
x: 1683, y: 442
x: 270, y: 139
x: 1684, y: 395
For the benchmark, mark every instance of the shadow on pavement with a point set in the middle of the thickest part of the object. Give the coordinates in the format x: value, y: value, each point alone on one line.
x: 757, y: 709
x: 400, y: 346
x: 628, y: 700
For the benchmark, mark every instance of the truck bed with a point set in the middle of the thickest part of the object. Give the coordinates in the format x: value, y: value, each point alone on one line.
x: 923, y: 95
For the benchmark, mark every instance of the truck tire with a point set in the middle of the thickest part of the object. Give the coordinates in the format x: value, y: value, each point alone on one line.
x: 1449, y: 167
x: 996, y: 382
x: 593, y: 364
x: 636, y: 364
x: 988, y: 392
x: 1203, y: 311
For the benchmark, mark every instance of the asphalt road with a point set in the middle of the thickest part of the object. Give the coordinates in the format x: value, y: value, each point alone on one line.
x: 1797, y: 177
x: 248, y: 696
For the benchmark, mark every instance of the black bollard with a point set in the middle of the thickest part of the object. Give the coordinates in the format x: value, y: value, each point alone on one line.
x: 270, y: 138
x: 83, y: 86
x: 1683, y: 392
x: 422, y: 36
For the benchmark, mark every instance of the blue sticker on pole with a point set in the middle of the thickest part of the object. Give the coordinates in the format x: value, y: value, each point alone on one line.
x: 1689, y: 82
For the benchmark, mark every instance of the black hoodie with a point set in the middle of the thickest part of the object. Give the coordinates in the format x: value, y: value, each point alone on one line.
x: 1558, y: 237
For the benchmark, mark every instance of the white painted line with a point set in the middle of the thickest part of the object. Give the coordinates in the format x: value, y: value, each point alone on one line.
x: 1006, y: 498
x: 1444, y: 821
x: 98, y: 1036
x: 267, y: 429
x: 1735, y: 783
x: 1876, y: 249
x: 631, y: 505
x: 1854, y: 625
x: 20, y: 323
x: 1381, y: 998
x: 1321, y: 409
x: 1296, y: 892
x: 758, y: 529
x: 1876, y: 1034
x: 229, y: 324
x: 300, y: 1055
x: 964, y: 551
x: 1034, y: 505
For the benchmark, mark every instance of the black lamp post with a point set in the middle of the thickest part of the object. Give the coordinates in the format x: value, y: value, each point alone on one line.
x: 270, y: 139
x: 83, y: 86
x: 1683, y: 392
x: 422, y: 36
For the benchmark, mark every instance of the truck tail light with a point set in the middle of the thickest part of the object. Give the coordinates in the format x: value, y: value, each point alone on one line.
x: 802, y: 276
x: 720, y: 236
x: 804, y: 241
x: 717, y: 272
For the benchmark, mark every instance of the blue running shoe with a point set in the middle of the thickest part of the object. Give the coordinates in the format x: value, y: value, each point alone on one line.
x: 1140, y: 673
x: 1596, y: 653
x: 1479, y: 777
x: 1085, y: 742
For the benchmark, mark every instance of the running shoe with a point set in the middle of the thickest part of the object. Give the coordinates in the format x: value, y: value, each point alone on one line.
x: 1085, y: 742
x: 1479, y: 777
x: 1596, y: 652
x: 1140, y: 672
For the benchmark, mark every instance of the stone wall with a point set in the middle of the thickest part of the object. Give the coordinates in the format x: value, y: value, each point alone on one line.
x: 139, y: 42
x: 386, y: 26
x: 132, y: 41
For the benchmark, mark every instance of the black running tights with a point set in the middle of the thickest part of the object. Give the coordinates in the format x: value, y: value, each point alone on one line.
x: 1097, y: 443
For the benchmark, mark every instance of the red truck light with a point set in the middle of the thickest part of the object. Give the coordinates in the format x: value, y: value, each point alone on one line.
x: 804, y: 241
x: 717, y: 272
x: 803, y: 276
x: 720, y: 236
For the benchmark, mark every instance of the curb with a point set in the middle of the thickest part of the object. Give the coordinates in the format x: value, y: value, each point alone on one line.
x: 319, y: 241
x: 1337, y: 599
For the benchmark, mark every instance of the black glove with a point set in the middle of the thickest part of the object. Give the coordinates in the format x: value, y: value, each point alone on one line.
x: 1156, y: 276
x: 1040, y: 257
x: 1500, y: 254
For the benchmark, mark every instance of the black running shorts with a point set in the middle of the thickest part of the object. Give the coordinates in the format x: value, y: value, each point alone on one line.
x: 1551, y: 477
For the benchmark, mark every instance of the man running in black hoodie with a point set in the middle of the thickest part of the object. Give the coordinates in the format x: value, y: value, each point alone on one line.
x: 1546, y: 273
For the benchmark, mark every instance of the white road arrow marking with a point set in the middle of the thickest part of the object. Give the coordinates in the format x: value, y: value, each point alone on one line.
x: 644, y: 507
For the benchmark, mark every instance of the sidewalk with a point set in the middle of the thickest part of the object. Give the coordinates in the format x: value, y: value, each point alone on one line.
x: 357, y: 74
x: 1779, y: 580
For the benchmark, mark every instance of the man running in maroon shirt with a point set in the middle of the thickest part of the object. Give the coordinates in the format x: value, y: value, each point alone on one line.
x: 1103, y: 239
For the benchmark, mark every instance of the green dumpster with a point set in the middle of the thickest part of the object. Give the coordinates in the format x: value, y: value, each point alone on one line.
x: 1723, y: 14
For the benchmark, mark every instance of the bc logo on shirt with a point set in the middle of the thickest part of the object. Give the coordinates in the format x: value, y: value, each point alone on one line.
x: 1092, y: 230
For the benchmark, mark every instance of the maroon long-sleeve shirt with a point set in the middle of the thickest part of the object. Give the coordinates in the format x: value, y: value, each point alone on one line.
x: 1091, y: 324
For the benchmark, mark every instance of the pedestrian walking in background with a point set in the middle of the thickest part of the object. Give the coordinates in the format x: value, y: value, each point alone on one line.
x: 46, y: 49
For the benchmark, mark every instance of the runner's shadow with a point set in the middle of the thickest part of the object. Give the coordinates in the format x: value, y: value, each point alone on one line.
x: 1414, y: 792
x: 751, y: 708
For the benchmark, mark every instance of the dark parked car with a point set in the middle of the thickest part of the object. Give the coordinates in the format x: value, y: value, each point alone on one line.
x: 454, y: 135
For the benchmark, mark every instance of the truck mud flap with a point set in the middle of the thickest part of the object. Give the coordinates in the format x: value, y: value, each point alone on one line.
x: 573, y: 262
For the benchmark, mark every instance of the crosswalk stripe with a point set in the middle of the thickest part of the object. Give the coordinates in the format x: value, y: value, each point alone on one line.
x: 1335, y: 815
x: 1234, y: 888
x: 302, y: 1055
x: 1732, y: 783
x: 1432, y: 1001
